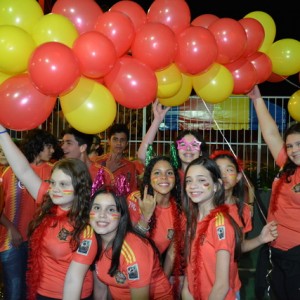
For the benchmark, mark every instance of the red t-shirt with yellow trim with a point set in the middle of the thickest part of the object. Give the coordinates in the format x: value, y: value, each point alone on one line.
x: 56, y: 256
x: 287, y: 212
x: 139, y: 267
x: 219, y: 236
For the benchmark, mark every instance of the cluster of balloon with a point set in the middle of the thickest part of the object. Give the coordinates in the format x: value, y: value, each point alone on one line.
x: 91, y: 60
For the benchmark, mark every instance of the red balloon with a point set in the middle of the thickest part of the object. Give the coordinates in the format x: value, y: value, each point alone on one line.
x: 276, y: 78
x: 133, y: 10
x: 83, y: 14
x: 53, y: 68
x: 155, y: 45
x: 173, y: 13
x: 118, y: 28
x: 255, y: 35
x: 204, y: 20
x: 244, y: 75
x: 231, y: 39
x: 132, y: 83
x: 262, y: 64
x: 197, y: 50
x: 96, y: 54
x: 23, y: 107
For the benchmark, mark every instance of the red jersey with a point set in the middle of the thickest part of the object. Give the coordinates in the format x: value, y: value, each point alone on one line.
x: 19, y: 206
x: 127, y: 169
x: 163, y: 232
x: 139, y: 267
x: 233, y: 211
x: 108, y: 176
x: 201, y: 267
x: 285, y: 207
x: 55, y: 256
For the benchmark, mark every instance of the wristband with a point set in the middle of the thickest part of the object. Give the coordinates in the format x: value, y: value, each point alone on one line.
x: 142, y: 229
x: 3, y: 131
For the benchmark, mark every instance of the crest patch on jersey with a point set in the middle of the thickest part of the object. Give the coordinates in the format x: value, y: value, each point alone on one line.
x: 170, y: 234
x: 296, y: 188
x: 133, y: 272
x: 120, y: 277
x: 84, y: 247
x: 63, y: 234
x: 221, y: 232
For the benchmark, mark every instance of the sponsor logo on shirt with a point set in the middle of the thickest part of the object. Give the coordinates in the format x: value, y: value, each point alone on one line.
x: 133, y: 272
x: 221, y: 232
x: 84, y: 247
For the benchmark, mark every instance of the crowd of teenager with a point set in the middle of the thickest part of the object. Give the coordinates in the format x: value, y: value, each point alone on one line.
x: 84, y: 227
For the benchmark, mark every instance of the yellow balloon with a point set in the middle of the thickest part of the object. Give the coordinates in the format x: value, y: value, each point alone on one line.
x: 285, y: 57
x: 54, y: 28
x: 20, y: 13
x: 182, y: 95
x: 89, y: 107
x: 269, y: 26
x: 294, y: 106
x: 169, y: 81
x: 16, y: 47
x: 214, y: 85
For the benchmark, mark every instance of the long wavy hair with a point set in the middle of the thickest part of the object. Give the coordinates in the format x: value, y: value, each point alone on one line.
x: 191, y: 208
x: 175, y: 192
x: 124, y: 227
x: 79, y: 212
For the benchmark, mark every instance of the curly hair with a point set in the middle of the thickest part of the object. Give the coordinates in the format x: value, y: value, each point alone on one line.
x: 79, y: 212
x: 35, y: 141
x: 175, y: 192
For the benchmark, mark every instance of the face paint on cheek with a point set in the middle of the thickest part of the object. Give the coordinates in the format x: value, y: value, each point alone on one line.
x: 92, y: 215
x: 207, y: 185
x: 115, y: 216
x: 67, y: 192
x: 154, y: 179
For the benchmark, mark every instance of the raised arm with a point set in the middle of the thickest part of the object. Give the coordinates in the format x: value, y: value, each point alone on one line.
x: 267, y: 124
x: 19, y: 164
x: 159, y: 113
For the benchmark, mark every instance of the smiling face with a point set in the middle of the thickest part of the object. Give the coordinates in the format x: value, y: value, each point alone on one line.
x: 61, y: 189
x: 162, y: 177
x: 189, y: 148
x: 200, y: 187
x: 293, y: 147
x: 71, y: 147
x: 104, y: 216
